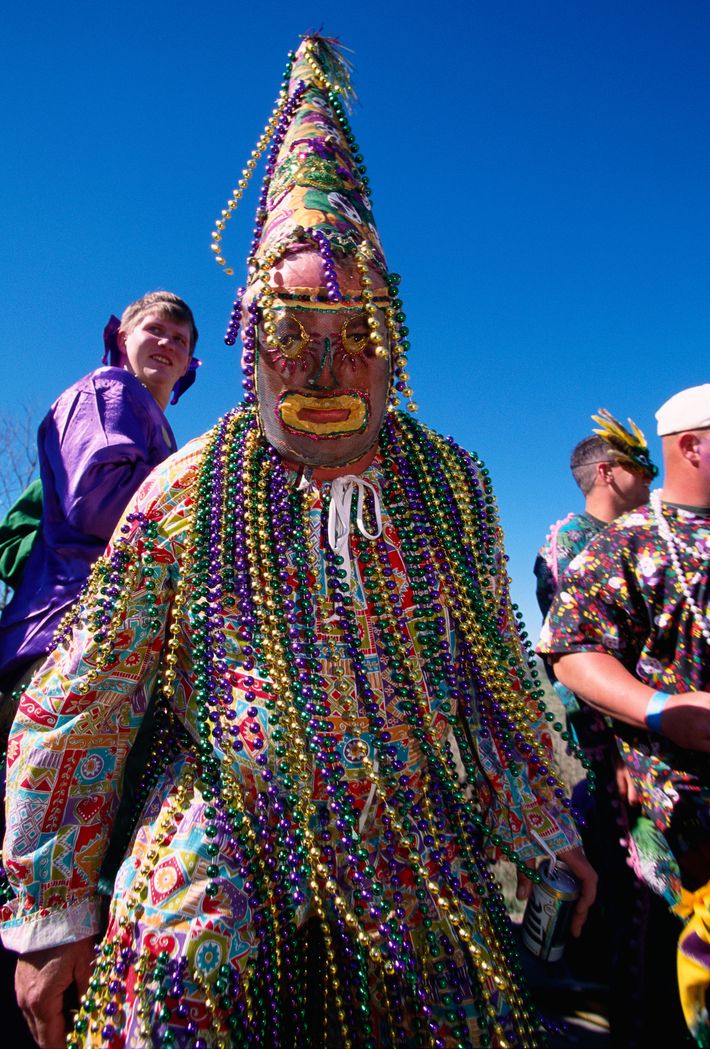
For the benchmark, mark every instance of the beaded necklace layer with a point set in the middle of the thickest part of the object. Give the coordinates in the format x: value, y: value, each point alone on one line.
x: 252, y: 549
x: 675, y: 546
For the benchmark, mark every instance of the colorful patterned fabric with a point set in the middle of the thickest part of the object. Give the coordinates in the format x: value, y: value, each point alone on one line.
x: 620, y: 596
x: 566, y: 538
x: 317, y: 183
x: 98, y: 441
x: 18, y: 530
x: 76, y: 724
x: 611, y: 946
x: 694, y: 963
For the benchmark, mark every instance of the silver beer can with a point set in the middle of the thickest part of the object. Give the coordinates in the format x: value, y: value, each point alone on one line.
x: 549, y: 911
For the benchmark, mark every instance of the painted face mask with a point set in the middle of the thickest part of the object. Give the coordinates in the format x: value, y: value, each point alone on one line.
x: 322, y: 384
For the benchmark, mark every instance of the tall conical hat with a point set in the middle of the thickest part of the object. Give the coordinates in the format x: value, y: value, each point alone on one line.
x: 315, y: 194
x: 318, y: 182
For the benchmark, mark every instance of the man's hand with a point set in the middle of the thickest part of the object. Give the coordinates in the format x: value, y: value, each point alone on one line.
x: 685, y: 720
x: 587, y: 878
x: 585, y: 874
x: 624, y: 784
x: 41, y: 978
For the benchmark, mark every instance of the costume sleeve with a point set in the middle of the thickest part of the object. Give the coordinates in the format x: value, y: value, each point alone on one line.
x: 103, y: 450
x: 515, y: 795
x: 74, y: 728
x: 597, y: 608
x: 518, y: 803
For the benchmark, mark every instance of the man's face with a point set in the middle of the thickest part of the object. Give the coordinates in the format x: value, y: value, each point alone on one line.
x: 630, y: 486
x: 158, y: 352
x: 322, y: 389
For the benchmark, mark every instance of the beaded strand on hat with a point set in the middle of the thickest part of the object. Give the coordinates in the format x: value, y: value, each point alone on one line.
x: 674, y: 544
x: 275, y: 121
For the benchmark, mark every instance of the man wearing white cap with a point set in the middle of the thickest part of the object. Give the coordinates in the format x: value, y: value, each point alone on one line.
x: 630, y: 632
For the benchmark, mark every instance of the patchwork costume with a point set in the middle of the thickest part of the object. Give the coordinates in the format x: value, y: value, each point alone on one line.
x: 348, y: 729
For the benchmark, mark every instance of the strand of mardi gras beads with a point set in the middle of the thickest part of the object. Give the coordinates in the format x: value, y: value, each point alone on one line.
x: 673, y: 545
x: 310, y: 569
x: 267, y: 887
x: 507, y: 735
x: 262, y: 986
x: 375, y: 602
x: 304, y: 562
x: 514, y: 632
x: 436, y: 555
x: 343, y: 794
x: 108, y: 997
x: 436, y: 664
x: 488, y: 933
x: 495, y: 930
x: 395, y: 939
x: 330, y: 886
x: 482, y: 628
x: 273, y: 123
x: 207, y: 594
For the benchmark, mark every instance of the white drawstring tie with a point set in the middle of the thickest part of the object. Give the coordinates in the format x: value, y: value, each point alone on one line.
x: 342, y: 490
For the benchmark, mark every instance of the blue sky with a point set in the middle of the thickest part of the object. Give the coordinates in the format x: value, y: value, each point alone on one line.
x: 540, y: 177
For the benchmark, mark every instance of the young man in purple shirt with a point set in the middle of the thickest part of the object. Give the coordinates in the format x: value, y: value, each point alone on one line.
x: 98, y: 442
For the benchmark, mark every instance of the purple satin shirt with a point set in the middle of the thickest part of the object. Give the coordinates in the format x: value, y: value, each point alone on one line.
x: 96, y: 444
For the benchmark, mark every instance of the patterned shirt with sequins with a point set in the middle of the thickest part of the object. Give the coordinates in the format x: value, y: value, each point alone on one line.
x: 621, y: 596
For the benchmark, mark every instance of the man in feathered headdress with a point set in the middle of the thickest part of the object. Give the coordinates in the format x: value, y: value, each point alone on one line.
x: 350, y: 730
x: 629, y: 631
x: 613, y: 470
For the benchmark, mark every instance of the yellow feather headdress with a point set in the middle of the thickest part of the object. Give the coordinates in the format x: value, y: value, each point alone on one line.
x: 627, y: 447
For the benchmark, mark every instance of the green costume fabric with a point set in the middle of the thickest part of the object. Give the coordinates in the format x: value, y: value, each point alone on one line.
x: 18, y: 529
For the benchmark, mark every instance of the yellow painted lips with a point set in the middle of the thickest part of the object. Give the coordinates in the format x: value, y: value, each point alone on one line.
x: 327, y: 415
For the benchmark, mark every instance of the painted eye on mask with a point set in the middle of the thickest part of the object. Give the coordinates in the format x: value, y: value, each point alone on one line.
x: 292, y: 344
x: 355, y: 336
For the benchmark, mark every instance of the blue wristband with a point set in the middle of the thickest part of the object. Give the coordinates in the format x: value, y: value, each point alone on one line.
x: 656, y: 705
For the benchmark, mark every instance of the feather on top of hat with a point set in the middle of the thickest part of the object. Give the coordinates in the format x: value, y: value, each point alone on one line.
x: 335, y: 67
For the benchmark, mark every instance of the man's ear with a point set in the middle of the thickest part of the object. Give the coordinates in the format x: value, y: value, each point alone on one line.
x: 121, y: 339
x: 688, y: 445
x: 604, y: 474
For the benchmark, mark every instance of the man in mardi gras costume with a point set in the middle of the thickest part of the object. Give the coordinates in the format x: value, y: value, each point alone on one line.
x: 613, y: 470
x: 629, y: 631
x: 348, y: 729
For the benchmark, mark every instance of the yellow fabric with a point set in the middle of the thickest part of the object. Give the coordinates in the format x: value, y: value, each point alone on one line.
x: 694, y: 965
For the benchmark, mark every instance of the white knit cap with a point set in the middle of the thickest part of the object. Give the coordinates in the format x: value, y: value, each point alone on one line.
x: 687, y: 410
